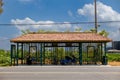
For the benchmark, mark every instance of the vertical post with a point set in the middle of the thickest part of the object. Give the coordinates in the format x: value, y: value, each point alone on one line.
x: 95, y: 6
x: 80, y: 53
x: 17, y: 53
x: 41, y: 53
x: 104, y: 59
x: 14, y: 55
x: 105, y: 48
x: 22, y: 53
x: 12, y: 52
x: 11, y: 55
x: 44, y: 52
x: 101, y: 51
x: 36, y: 53
x: 29, y: 48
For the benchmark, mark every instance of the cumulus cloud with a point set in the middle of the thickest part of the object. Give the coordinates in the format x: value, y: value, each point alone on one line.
x: 28, y: 23
x: 104, y: 13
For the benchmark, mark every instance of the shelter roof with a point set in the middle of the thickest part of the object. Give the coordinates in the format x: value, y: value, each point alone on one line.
x: 61, y: 37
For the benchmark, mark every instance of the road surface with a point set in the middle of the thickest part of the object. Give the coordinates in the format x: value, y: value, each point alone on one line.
x: 60, y: 73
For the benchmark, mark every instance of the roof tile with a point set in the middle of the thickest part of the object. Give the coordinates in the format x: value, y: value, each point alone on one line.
x: 61, y: 37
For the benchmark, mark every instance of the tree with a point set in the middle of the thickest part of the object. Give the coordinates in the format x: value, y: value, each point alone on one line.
x: 1, y: 4
x: 78, y: 29
x: 41, y: 30
x: 91, y: 30
x: 38, y: 31
x: 25, y: 31
x: 4, y: 57
x: 103, y: 33
x: 68, y: 30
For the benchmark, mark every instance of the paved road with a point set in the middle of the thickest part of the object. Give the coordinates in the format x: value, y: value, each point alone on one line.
x: 60, y: 73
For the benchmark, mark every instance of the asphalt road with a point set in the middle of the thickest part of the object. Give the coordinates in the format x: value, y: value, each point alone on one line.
x: 60, y: 73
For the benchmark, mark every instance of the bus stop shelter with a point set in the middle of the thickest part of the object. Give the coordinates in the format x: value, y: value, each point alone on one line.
x: 56, y: 48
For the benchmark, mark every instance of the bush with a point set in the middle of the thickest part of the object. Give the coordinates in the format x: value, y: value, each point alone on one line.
x: 4, y: 58
x: 113, y: 56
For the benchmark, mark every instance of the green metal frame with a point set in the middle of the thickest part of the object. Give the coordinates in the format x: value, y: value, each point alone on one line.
x: 13, y: 52
x: 17, y: 53
x: 80, y: 53
x: 40, y: 52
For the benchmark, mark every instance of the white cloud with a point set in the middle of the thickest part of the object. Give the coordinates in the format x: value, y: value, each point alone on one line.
x: 115, y: 35
x: 104, y: 13
x: 87, y: 10
x: 36, y: 25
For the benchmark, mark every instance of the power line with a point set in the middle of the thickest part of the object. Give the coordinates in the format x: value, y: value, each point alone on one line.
x: 59, y: 23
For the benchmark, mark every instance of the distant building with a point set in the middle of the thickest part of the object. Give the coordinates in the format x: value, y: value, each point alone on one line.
x: 116, y: 45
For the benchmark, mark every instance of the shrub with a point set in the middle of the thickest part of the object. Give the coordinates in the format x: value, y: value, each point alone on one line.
x: 4, y: 58
x: 113, y: 56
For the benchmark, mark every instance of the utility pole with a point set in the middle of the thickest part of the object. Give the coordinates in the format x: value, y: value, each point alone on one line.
x: 95, y: 6
x: 119, y: 30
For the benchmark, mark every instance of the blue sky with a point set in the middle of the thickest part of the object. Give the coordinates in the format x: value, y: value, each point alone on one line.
x: 52, y: 11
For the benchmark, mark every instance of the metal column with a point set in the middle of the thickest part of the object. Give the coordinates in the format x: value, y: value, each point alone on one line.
x: 41, y: 52
x: 106, y: 60
x: 12, y: 56
x: 80, y: 53
x: 22, y: 54
x: 17, y: 53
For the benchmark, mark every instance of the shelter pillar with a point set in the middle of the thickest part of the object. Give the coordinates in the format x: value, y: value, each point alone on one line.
x: 104, y: 59
x: 105, y: 49
x: 17, y: 53
x: 41, y: 52
x: 22, y: 53
x: 13, y: 52
x: 44, y: 53
x: 80, y: 53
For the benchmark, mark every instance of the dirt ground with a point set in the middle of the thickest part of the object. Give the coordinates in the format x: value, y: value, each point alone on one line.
x: 109, y: 63
x: 114, y: 63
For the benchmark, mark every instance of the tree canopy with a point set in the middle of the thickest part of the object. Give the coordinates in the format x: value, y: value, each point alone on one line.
x: 1, y: 4
x: 102, y: 32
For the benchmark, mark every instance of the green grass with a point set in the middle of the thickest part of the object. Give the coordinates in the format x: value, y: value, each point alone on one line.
x: 113, y: 57
x: 4, y: 58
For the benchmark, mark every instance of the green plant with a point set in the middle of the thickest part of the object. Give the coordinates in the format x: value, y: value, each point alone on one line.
x: 4, y: 58
x: 113, y: 56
